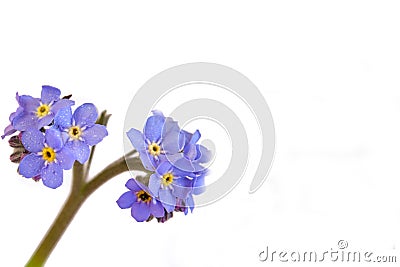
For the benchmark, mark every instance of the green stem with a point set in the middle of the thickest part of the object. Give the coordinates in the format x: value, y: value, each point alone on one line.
x: 80, y: 191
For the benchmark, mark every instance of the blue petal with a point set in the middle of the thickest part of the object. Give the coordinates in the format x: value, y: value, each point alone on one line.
x: 63, y: 118
x: 195, y: 137
x: 180, y: 162
x: 133, y: 185
x: 167, y: 199
x: 65, y: 158
x: 190, y: 151
x: 24, y: 121
x: 171, y: 137
x: 53, y: 138
x: 61, y: 104
x: 199, y: 185
x: 28, y: 103
x: 8, y: 131
x: 157, y: 209
x: 154, y: 184
x: 50, y: 94
x: 140, y: 211
x: 85, y: 115
x: 163, y: 168
x: 45, y: 121
x: 182, y: 187
x: 204, y: 155
x: 126, y: 200
x: 190, y: 202
x: 137, y: 139
x: 94, y: 134
x: 153, y: 128
x: 52, y: 175
x: 31, y: 165
x: 148, y: 161
x: 80, y: 151
x: 33, y: 140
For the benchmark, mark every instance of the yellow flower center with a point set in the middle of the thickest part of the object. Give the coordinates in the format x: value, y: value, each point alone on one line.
x: 154, y: 149
x: 42, y: 111
x: 143, y: 196
x: 48, y: 154
x: 75, y: 132
x: 167, y: 179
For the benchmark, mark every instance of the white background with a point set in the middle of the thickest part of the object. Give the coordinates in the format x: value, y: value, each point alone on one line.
x: 329, y: 71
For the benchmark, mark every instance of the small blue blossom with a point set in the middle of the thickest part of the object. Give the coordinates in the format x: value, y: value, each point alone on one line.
x: 159, y: 139
x: 10, y: 128
x: 48, y: 157
x: 169, y: 183
x: 143, y: 205
x: 37, y: 113
x: 80, y: 130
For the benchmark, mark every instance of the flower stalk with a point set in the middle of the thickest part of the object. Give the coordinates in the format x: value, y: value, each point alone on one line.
x: 80, y: 191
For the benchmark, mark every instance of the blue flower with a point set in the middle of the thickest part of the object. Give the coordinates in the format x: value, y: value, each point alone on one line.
x: 169, y: 183
x: 160, y: 138
x: 141, y: 202
x: 10, y: 128
x: 80, y: 130
x: 193, y: 156
x: 37, y: 113
x: 48, y: 157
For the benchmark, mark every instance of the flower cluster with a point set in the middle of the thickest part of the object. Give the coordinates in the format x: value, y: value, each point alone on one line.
x: 50, y: 138
x: 176, y: 161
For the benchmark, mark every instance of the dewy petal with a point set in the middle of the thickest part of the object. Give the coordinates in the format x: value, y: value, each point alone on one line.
x: 126, y: 200
x: 33, y: 140
x: 94, y: 134
x: 157, y: 209
x: 52, y: 175
x: 153, y: 128
x: 24, y: 121
x: 31, y: 165
x: 63, y: 118
x: 85, y: 115
x: 167, y: 199
x: 45, y: 121
x: 80, y: 150
x: 50, y: 94
x: 53, y: 138
x: 66, y: 158
x: 137, y: 139
x: 133, y: 185
x: 154, y: 184
x: 61, y: 104
x: 28, y: 103
x: 140, y: 211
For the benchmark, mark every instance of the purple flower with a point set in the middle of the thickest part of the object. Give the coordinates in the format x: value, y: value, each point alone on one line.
x: 160, y: 138
x: 141, y: 202
x: 80, y: 130
x: 37, y: 113
x: 48, y: 157
x: 10, y: 128
x: 169, y: 183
